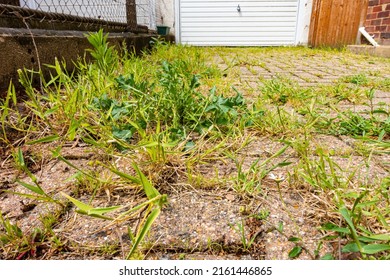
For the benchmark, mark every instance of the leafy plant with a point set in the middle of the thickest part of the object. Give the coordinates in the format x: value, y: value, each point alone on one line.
x: 362, y: 239
x: 323, y: 172
x: 297, y: 250
x: 357, y: 125
x: 154, y: 205
x: 359, y: 79
x: 106, y: 57
x: 250, y: 181
x: 39, y: 193
x: 246, y: 241
x: 281, y: 90
x: 16, y: 244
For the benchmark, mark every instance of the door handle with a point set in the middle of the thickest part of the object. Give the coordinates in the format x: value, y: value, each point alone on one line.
x: 238, y: 8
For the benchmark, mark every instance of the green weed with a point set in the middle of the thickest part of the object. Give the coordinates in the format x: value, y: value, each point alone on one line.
x: 247, y: 241
x: 16, y: 244
x: 354, y: 124
x: 361, y: 238
x: 160, y: 112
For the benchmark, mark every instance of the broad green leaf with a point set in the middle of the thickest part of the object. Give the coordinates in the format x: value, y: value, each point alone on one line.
x: 327, y: 257
x: 126, y: 176
x: 74, y: 126
x: 46, y: 139
x: 384, y: 237
x: 294, y: 239
x: 284, y: 163
x: 345, y: 213
x: 33, y: 196
x: 101, y: 211
x: 295, y: 252
x: 150, y: 144
x: 350, y: 248
x: 81, y: 205
x: 86, y: 209
x: 333, y: 227
x: 146, y: 227
x: 158, y: 200
x: 189, y: 145
x: 123, y: 134
x: 96, y: 216
x: 150, y: 191
x: 368, y: 203
x: 378, y: 237
x: 35, y: 189
x: 280, y: 227
x: 21, y: 158
x: 366, y: 239
x: 375, y: 248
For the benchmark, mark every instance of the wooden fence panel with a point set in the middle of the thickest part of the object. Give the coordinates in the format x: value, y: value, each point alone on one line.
x: 336, y: 23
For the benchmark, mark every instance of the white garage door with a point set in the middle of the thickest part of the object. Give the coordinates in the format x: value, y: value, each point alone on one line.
x: 238, y: 23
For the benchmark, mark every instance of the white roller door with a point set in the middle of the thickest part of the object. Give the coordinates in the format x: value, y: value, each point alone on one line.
x: 237, y: 23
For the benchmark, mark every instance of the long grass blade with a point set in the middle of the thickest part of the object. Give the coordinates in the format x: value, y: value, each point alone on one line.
x: 148, y: 223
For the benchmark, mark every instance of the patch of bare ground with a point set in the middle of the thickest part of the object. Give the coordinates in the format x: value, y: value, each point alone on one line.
x: 199, y: 222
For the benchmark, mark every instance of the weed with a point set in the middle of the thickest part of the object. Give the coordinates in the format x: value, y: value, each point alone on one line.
x: 324, y: 173
x: 39, y: 193
x: 362, y: 239
x: 250, y: 181
x: 246, y: 241
x: 106, y: 57
x: 282, y: 90
x: 17, y: 244
x: 355, y: 124
x: 297, y: 250
x: 161, y: 115
x: 359, y: 79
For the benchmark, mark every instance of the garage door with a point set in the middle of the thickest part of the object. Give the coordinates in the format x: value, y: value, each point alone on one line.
x: 238, y: 23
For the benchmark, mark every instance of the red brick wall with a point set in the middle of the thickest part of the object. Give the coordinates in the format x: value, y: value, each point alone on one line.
x: 378, y: 20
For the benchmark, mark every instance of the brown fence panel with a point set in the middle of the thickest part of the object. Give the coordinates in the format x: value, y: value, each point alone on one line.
x: 335, y: 23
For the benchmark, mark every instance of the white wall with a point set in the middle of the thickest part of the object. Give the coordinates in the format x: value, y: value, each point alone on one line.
x: 303, y: 25
x: 166, y: 14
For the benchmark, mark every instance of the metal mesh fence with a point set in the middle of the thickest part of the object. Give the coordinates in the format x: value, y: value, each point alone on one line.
x: 60, y: 14
x: 114, y: 10
x: 146, y: 13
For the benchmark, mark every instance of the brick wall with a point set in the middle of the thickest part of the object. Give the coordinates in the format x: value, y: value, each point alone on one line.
x: 378, y: 21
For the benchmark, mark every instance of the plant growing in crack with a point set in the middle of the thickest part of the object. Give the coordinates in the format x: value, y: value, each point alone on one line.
x: 246, y: 241
x: 297, y: 250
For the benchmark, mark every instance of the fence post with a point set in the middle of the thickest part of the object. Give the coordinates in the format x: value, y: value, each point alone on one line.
x: 131, y: 15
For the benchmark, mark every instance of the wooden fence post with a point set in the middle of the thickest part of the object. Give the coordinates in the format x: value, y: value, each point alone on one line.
x: 131, y: 15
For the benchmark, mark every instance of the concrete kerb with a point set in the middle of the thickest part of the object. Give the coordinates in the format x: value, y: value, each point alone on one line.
x: 381, y: 51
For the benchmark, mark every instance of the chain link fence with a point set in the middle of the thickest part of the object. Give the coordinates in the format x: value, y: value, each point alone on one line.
x: 114, y: 10
x: 146, y: 13
x: 125, y: 15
